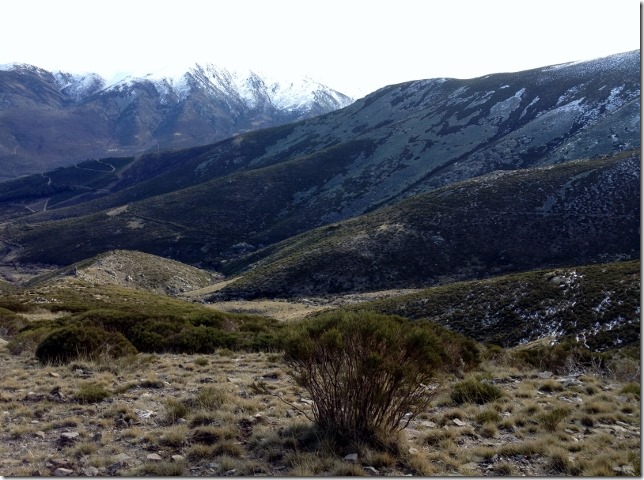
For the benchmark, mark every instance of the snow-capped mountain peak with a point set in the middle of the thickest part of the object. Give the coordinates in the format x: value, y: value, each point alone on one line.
x: 127, y: 113
x: 243, y: 87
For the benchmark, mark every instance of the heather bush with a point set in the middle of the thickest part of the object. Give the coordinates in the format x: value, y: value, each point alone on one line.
x: 364, y: 371
x: 70, y: 343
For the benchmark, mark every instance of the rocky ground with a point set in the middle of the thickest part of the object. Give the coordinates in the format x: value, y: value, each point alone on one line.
x: 202, y: 415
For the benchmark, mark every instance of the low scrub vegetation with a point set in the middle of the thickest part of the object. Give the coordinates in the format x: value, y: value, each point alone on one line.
x: 365, y: 372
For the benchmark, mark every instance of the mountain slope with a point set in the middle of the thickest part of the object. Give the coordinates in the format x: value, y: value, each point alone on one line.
x: 51, y: 119
x: 598, y: 305
x: 206, y: 205
x: 570, y: 214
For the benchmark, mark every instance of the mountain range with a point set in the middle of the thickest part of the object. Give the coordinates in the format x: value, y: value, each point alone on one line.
x: 51, y: 119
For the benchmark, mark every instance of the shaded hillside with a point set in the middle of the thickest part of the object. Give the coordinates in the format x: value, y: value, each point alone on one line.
x: 598, y: 305
x: 569, y: 214
x: 210, y: 204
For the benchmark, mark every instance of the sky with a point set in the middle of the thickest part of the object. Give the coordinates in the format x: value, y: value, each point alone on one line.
x: 353, y: 46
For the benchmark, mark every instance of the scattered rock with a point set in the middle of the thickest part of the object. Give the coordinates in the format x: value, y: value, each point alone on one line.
x: 97, y: 437
x: 230, y: 473
x: 57, y: 462
x: 571, y: 400
x: 63, y: 472
x: 471, y: 466
x: 145, y: 414
x: 352, y: 457
x: 459, y: 423
x: 413, y: 451
x: 177, y: 458
x: 154, y: 457
x: 68, y: 437
x: 33, y: 397
x: 90, y: 471
x: 54, y: 374
x: 428, y: 424
x: 624, y: 469
x: 371, y: 471
x: 40, y: 434
x: 545, y: 374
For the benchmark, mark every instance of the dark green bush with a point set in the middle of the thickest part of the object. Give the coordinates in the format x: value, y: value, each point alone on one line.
x: 364, y: 371
x: 70, y: 343
x: 112, y: 320
x: 156, y: 335
x: 475, y: 391
x: 201, y: 340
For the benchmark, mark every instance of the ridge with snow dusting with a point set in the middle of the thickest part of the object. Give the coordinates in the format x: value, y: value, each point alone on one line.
x: 52, y: 119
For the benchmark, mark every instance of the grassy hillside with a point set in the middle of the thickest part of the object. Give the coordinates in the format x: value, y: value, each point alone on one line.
x: 570, y: 214
x: 135, y: 270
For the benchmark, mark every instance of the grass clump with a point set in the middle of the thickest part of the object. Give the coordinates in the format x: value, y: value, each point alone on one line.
x: 552, y: 418
x: 201, y: 361
x: 91, y: 393
x: 162, y: 469
x: 174, y: 410
x: 488, y: 416
x: 210, y: 398
x: 631, y: 388
x: 475, y: 391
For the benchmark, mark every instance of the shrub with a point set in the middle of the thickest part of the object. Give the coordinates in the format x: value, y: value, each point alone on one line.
x: 69, y: 343
x: 475, y: 391
x: 364, y: 371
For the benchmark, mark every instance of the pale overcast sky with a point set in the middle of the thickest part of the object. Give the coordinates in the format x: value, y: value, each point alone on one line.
x: 353, y: 46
